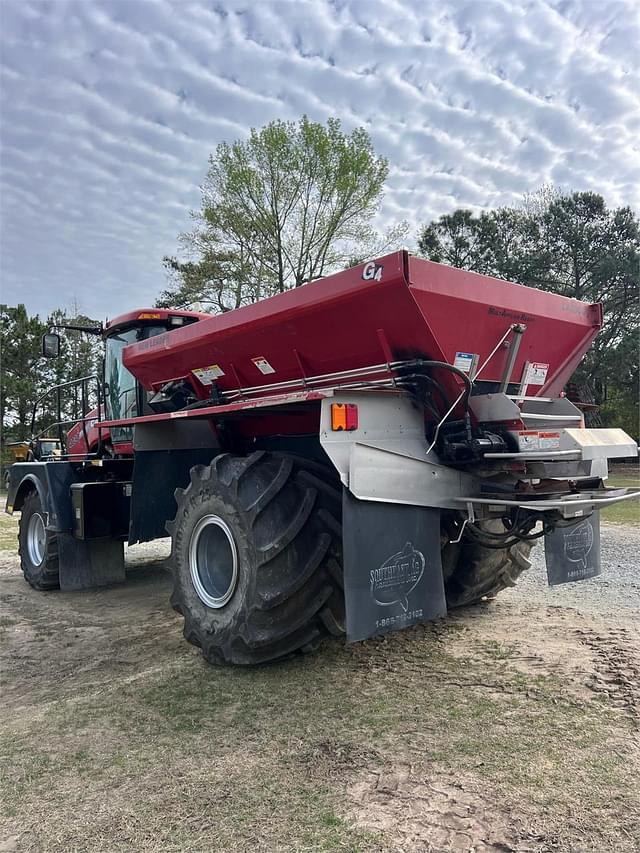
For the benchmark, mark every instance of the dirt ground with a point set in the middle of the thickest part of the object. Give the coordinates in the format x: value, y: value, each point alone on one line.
x: 513, y: 726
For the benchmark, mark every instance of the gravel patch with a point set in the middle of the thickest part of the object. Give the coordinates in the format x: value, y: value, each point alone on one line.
x: 615, y: 591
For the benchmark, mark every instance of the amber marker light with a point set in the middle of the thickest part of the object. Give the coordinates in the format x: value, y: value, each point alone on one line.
x: 344, y: 416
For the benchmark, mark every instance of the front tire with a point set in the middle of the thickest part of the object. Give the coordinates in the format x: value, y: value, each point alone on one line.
x: 256, y: 554
x: 37, y: 546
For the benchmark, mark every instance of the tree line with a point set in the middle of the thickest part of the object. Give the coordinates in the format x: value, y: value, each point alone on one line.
x: 27, y: 376
x: 298, y: 200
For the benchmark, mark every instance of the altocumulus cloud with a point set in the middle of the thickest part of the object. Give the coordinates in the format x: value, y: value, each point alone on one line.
x: 110, y: 109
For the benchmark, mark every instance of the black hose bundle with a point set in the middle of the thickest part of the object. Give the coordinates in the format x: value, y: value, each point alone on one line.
x: 423, y: 364
x: 518, y: 530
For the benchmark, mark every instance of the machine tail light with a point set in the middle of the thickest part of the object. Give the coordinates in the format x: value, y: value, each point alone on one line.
x: 344, y: 416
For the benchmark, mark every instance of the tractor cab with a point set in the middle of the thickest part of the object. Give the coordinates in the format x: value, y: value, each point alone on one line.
x: 123, y: 395
x: 118, y: 395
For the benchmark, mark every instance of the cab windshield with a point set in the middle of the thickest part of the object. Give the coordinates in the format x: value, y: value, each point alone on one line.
x: 121, y: 390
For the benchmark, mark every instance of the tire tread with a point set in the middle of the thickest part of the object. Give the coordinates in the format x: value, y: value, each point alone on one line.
x: 46, y: 576
x: 291, y: 510
x: 481, y: 573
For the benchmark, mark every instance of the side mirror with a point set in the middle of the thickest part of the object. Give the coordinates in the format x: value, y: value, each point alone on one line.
x: 51, y: 345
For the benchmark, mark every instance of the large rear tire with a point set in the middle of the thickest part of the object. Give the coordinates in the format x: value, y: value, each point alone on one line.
x: 256, y: 555
x: 474, y: 574
x: 37, y: 546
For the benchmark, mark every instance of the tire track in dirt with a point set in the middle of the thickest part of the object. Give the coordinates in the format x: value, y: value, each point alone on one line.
x: 617, y: 665
x: 426, y: 810
x: 425, y: 815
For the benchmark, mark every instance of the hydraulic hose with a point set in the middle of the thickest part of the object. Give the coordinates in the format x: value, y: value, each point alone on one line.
x: 517, y: 532
x: 463, y: 397
x: 423, y: 362
x: 415, y: 378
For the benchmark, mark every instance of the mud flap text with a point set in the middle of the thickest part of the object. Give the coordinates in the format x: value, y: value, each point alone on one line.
x: 392, y: 568
x: 573, y: 553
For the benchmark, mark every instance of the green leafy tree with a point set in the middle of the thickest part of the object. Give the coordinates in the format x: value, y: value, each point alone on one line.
x: 590, y: 252
x: 27, y: 377
x: 458, y: 239
x: 291, y: 203
x: 22, y: 369
x: 217, y: 282
x: 620, y: 385
x: 502, y: 243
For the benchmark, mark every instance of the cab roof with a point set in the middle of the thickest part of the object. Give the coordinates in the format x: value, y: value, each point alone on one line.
x: 151, y: 314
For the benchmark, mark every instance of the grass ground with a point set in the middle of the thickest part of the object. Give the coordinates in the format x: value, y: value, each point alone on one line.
x: 8, y: 528
x: 318, y: 754
x: 117, y: 737
x: 626, y: 512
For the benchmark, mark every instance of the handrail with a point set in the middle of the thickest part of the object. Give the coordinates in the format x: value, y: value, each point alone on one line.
x: 82, y: 382
x: 53, y: 424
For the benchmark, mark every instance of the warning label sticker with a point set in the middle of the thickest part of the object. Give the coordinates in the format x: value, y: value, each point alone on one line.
x: 464, y: 361
x: 549, y: 440
x: 533, y: 439
x: 529, y: 440
x: 536, y: 373
x: 263, y: 365
x: 208, y: 375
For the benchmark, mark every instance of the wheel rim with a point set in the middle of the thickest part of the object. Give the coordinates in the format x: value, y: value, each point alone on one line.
x: 36, y: 539
x: 213, y: 561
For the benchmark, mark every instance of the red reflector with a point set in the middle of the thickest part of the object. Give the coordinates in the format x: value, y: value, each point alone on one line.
x: 344, y: 416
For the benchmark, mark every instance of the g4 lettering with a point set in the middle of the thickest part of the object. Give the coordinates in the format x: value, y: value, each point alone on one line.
x: 372, y: 271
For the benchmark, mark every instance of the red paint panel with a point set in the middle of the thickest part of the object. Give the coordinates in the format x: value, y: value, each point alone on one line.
x: 469, y: 313
x: 326, y: 326
x: 76, y: 443
x: 349, y: 320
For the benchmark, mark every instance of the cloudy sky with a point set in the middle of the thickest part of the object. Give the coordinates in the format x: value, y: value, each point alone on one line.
x: 111, y: 107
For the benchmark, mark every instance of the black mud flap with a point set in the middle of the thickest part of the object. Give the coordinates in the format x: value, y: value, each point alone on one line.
x: 573, y: 553
x: 89, y: 564
x: 392, y: 567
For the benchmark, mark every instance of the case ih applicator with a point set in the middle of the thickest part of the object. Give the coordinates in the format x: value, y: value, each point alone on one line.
x: 353, y: 456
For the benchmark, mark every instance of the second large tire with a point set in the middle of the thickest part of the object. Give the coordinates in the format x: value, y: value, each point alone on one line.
x: 256, y: 556
x: 473, y: 574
